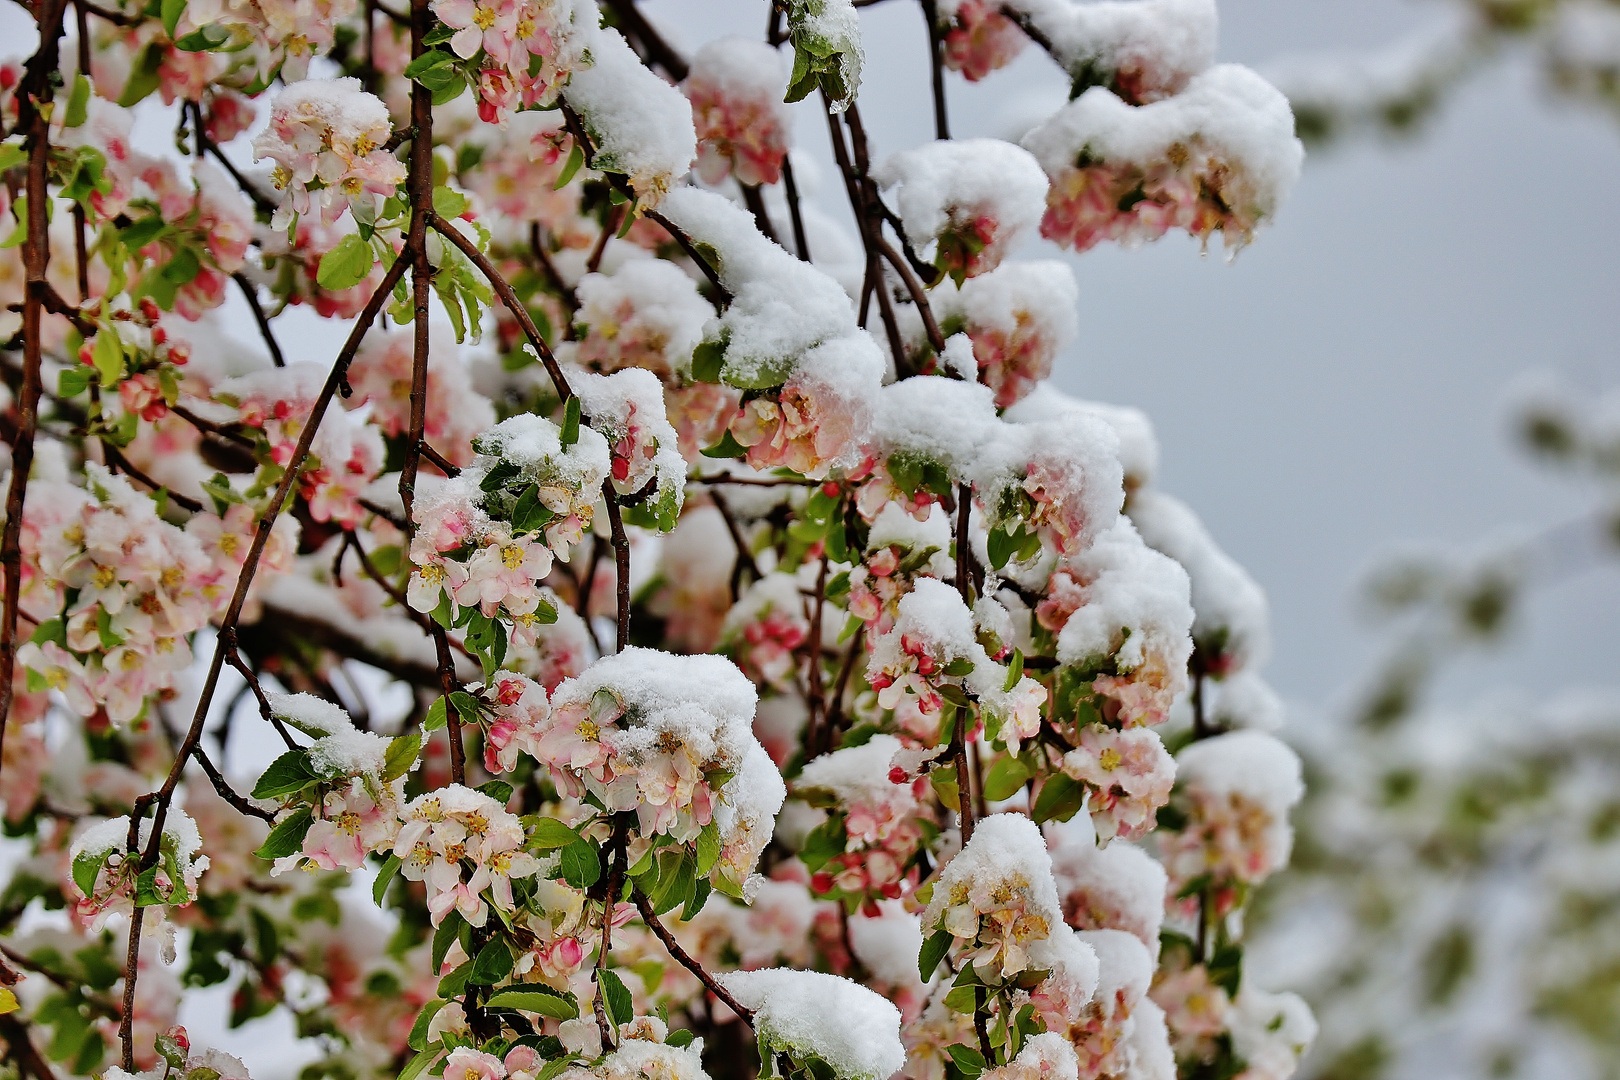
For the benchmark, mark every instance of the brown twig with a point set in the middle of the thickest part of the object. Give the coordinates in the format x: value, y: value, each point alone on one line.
x: 228, y: 793
x: 250, y: 293
x: 621, y: 564
x: 745, y: 558
x: 682, y: 958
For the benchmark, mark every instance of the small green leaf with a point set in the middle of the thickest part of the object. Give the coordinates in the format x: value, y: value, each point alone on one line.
x: 1059, y: 799
x: 401, y: 756
x: 707, y: 359
x: 966, y: 1058
x: 1004, y: 779
x: 548, y: 833
x: 346, y: 265
x: 108, y: 356
x: 436, y: 716
x: 727, y: 447
x: 616, y: 997
x: 444, y: 936
x: 933, y: 951
x: 287, y: 775
x: 454, y: 984
x: 448, y: 203
x: 708, y: 849
x: 417, y: 1040
x: 287, y: 837
x: 494, y: 963
x: 533, y: 1000
x: 570, y: 427
x: 580, y: 865
x: 1015, y: 671
x: 385, y: 877
x: 420, y: 1063
x: 576, y: 158
x: 427, y: 62
x: 79, y: 100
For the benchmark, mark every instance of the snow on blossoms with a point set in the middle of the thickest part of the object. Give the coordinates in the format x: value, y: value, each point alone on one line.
x: 111, y: 879
x: 1234, y: 792
x: 326, y: 138
x: 935, y: 641
x: 997, y: 902
x: 1018, y: 317
x: 338, y: 785
x: 671, y: 738
x: 646, y: 314
x: 813, y: 1016
x: 1218, y: 157
x: 973, y: 199
x: 742, y: 125
x: 790, y: 332
x: 486, y: 538
x: 346, y: 453
x: 124, y: 590
x: 884, y: 821
x: 641, y: 125
x: 1142, y: 50
x: 627, y: 407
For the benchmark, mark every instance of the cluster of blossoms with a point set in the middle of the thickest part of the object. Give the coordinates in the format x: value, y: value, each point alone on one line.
x: 978, y: 37
x: 973, y: 199
x: 173, y: 1058
x: 112, y: 879
x: 1018, y: 319
x: 1217, y: 157
x: 936, y: 643
x: 327, y: 139
x: 486, y: 539
x: 898, y: 550
x: 647, y: 314
x: 655, y: 733
x: 1238, y: 788
x: 140, y: 356
x: 742, y: 126
x: 765, y: 629
x: 117, y: 592
x: 885, y: 821
x: 524, y: 50
x: 461, y: 843
x: 381, y: 378
x: 279, y: 36
x: 347, y: 453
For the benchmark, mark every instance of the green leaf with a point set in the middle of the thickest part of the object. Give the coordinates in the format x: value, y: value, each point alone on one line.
x: 79, y: 100
x: 727, y: 447
x: 576, y: 158
x: 427, y: 62
x: 346, y: 265
x: 499, y: 790
x: 580, y: 865
x: 494, y: 963
x: 287, y: 775
x: 143, y: 75
x: 708, y: 849
x: 183, y: 268
x: 12, y: 155
x: 933, y: 951
x: 1000, y: 546
x: 436, y: 716
x: 548, y: 833
x: 287, y: 837
x: 171, y: 11
x: 401, y: 756
x: 615, y: 998
x: 966, y: 1058
x: 50, y: 630
x: 466, y: 706
x: 448, y: 203
x: 107, y: 354
x: 707, y: 360
x: 1059, y: 799
x: 1015, y: 671
x: 570, y: 427
x: 419, y: 1064
x: 85, y: 870
x: 1004, y: 779
x: 532, y: 1000
x: 444, y: 936
x: 675, y: 881
x: 1226, y: 968
x: 454, y: 984
x: 207, y: 39
x: 385, y: 877
x: 417, y: 1039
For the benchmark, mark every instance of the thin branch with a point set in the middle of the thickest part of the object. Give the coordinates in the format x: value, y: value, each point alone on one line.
x: 936, y: 64
x: 621, y: 563
x: 117, y: 460
x: 635, y: 25
x: 755, y: 201
x: 681, y: 957
x: 228, y: 793
x: 745, y: 558
x: 790, y: 188
x: 250, y: 293
x: 440, y: 462
x: 753, y: 481
x: 509, y: 297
